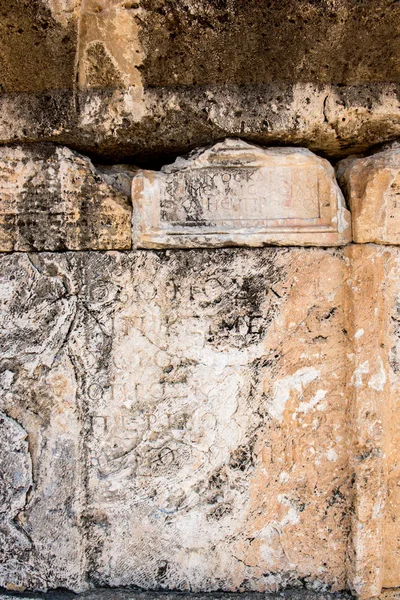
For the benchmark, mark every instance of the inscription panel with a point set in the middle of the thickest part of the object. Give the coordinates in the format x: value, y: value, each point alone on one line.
x: 209, y: 196
x: 235, y: 193
x: 214, y: 407
x: 186, y: 413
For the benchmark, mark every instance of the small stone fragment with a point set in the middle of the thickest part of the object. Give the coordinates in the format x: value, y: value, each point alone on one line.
x: 373, y: 190
x: 236, y: 194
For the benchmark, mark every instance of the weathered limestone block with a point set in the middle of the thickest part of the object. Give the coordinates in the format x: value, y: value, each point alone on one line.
x: 373, y: 390
x: 38, y: 390
x: 237, y: 194
x: 158, y: 123
x: 203, y: 420
x: 187, y: 42
x: 121, y: 77
x: 126, y: 594
x: 373, y: 191
x: 52, y: 198
x: 15, y: 483
x: 187, y: 417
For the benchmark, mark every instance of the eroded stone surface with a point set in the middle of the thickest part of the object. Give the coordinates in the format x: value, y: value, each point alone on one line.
x: 52, y: 198
x: 157, y: 124
x: 186, y: 413
x: 373, y: 327
x: 188, y: 42
x: 373, y: 189
x: 120, y: 594
x: 119, y: 77
x: 15, y: 482
x: 237, y: 194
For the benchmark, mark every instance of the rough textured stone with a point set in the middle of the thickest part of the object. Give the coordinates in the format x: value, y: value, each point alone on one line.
x: 52, y: 198
x: 187, y: 42
x: 38, y: 44
x: 373, y: 318
x: 372, y: 186
x: 120, y: 594
x: 154, y: 125
x: 117, y: 77
x: 187, y: 417
x: 201, y: 420
x: 237, y: 194
x: 15, y: 483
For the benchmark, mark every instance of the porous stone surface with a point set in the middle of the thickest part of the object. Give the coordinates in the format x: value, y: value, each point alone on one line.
x: 15, y: 483
x: 118, y: 77
x: 372, y: 186
x: 238, y: 194
x: 154, y: 125
x: 186, y: 414
x: 373, y: 389
x: 124, y: 594
x: 52, y: 198
x: 189, y: 42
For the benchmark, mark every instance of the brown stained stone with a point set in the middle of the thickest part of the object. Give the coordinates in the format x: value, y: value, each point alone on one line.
x: 52, y: 198
x: 372, y: 185
x: 109, y: 50
x: 189, y: 42
x: 373, y: 325
x: 238, y: 194
x: 119, y: 78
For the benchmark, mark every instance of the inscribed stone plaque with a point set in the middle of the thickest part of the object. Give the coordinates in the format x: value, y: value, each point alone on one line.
x: 238, y: 194
x: 186, y: 415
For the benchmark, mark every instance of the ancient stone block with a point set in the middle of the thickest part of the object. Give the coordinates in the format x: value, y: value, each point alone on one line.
x: 373, y: 392
x: 237, y: 194
x: 373, y: 190
x: 52, y: 198
x: 187, y: 417
x: 153, y: 123
x: 122, y: 77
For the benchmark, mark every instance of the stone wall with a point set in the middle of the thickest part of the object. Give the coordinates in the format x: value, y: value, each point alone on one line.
x: 207, y: 419
x: 199, y: 296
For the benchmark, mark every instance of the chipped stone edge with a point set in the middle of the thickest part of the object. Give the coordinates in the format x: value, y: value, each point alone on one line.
x: 146, y: 233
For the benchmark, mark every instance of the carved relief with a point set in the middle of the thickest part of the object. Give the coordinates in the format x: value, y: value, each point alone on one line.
x: 15, y: 480
x: 237, y: 194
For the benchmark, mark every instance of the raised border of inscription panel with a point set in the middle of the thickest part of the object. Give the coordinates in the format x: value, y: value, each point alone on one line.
x: 237, y: 194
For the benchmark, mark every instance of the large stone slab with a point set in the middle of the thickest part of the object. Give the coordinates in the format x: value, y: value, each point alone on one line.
x: 119, y: 77
x: 153, y: 125
x: 373, y: 190
x: 52, y: 198
x: 187, y: 418
x: 238, y: 194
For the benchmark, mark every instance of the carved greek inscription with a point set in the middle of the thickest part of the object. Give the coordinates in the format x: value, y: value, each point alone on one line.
x: 225, y: 196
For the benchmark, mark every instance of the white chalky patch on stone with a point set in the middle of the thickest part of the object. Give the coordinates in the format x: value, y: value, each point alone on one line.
x: 283, y: 388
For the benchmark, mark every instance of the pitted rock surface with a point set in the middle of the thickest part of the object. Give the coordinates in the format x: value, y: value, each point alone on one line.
x: 52, y: 198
